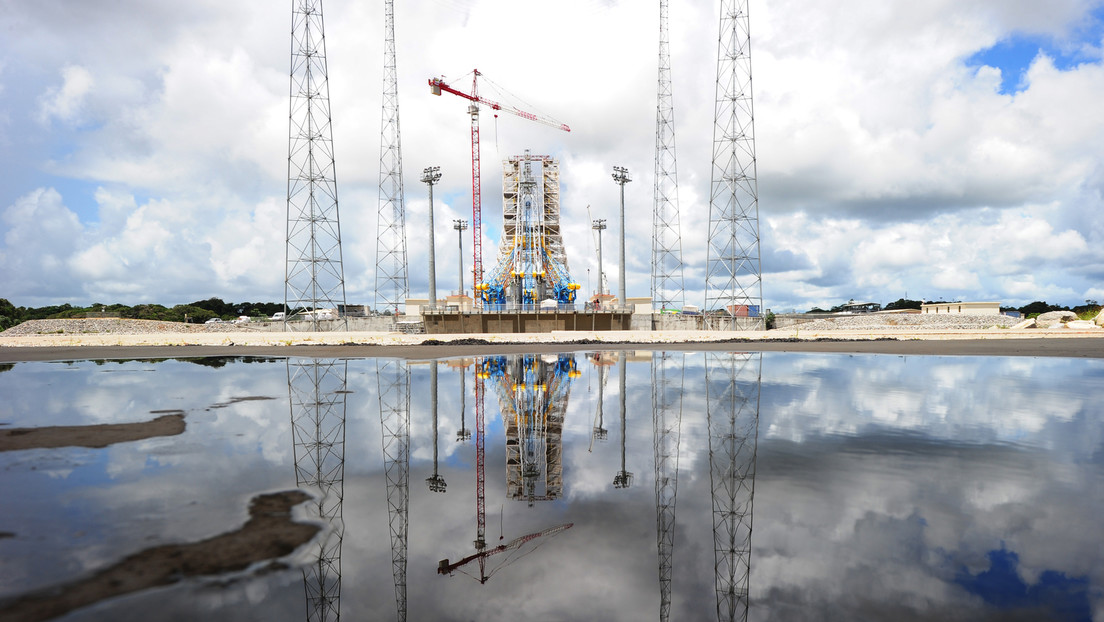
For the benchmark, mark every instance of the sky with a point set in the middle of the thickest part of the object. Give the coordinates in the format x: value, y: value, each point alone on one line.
x: 937, y: 151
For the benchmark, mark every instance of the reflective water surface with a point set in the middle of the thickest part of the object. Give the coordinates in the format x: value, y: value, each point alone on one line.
x: 585, y: 486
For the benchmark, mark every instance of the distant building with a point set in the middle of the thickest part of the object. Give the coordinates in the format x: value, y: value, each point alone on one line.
x: 861, y: 307
x: 964, y: 308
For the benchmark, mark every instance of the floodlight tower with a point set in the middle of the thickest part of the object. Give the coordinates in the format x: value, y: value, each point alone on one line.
x: 313, y: 274
x: 392, y: 286
x: 623, y: 478
x: 435, y: 482
x: 733, y: 278
x: 599, y: 225
x: 621, y: 177
x: 667, y: 273
x: 461, y: 226
x: 430, y: 176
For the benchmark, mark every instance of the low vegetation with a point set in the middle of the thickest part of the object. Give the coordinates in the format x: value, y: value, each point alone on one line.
x: 1087, y: 311
x: 196, y: 312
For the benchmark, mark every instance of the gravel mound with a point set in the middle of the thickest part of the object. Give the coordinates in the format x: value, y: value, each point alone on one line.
x: 911, y: 321
x: 115, y: 326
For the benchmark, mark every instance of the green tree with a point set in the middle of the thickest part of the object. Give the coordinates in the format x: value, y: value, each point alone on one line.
x: 904, y: 303
x: 1038, y: 307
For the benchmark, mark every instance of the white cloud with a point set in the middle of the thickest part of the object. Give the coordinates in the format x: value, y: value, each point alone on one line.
x: 65, y: 103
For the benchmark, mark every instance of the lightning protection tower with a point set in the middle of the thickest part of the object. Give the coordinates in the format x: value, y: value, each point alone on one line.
x: 393, y: 378
x: 733, y: 279
x: 667, y: 272
x: 392, y: 286
x: 667, y: 386
x: 733, y: 383
x: 316, y: 395
x: 314, y: 282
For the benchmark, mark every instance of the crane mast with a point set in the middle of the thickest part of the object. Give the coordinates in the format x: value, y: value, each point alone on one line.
x: 437, y: 86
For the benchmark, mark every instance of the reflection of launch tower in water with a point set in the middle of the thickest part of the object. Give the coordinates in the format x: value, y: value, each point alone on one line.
x: 533, y: 392
x: 316, y: 394
x: 732, y: 410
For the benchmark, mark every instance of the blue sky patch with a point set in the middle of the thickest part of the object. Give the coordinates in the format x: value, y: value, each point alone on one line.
x: 1063, y: 597
x: 1014, y: 54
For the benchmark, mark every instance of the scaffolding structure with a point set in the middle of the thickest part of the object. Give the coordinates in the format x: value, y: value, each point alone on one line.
x: 733, y: 281
x: 316, y: 396
x: 393, y: 379
x: 668, y: 290
x: 392, y: 284
x: 732, y: 412
x: 314, y: 280
x: 532, y: 266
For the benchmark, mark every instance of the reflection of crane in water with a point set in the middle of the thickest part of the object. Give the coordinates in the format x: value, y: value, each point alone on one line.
x: 732, y: 412
x: 444, y: 567
x: 533, y: 392
x: 316, y: 396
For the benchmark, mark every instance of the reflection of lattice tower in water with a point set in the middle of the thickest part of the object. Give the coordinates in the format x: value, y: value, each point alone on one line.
x: 393, y: 380
x: 667, y: 273
x: 732, y: 412
x: 546, y: 192
x: 667, y: 384
x: 392, y: 286
x: 534, y: 401
x: 734, y: 273
x: 313, y: 275
x: 316, y: 395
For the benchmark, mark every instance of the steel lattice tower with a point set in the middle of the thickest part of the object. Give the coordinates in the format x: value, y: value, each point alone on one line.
x: 392, y: 286
x: 313, y: 276
x: 667, y: 384
x: 667, y: 274
x: 316, y: 395
x: 732, y: 412
x: 734, y: 271
x: 393, y: 379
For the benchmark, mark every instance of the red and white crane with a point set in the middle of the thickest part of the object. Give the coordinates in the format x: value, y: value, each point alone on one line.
x: 437, y: 85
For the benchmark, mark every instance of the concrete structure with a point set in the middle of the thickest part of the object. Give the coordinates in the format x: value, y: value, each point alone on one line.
x: 445, y: 323
x: 965, y: 308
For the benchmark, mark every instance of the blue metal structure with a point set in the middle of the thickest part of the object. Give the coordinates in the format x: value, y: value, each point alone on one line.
x: 530, y: 271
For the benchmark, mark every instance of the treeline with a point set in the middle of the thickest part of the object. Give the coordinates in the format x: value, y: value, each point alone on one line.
x: 196, y: 312
x: 1029, y: 310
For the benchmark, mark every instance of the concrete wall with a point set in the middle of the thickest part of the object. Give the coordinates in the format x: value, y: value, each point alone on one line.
x: 964, y: 308
x: 523, y: 322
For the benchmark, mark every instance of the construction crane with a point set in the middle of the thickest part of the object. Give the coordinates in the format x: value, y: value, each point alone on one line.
x: 437, y: 85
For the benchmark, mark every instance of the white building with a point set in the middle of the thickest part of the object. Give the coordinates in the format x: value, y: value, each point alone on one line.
x: 964, y: 308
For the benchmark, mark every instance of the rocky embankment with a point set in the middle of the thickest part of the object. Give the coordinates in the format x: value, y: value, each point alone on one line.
x: 115, y: 326
x: 910, y: 321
